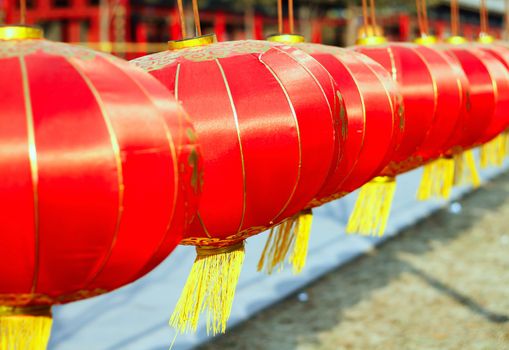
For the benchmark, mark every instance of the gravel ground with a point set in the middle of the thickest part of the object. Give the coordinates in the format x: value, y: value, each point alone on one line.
x: 442, y: 284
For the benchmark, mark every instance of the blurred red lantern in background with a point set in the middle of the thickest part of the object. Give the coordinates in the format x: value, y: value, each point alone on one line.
x: 100, y: 176
x: 268, y: 117
x: 432, y: 100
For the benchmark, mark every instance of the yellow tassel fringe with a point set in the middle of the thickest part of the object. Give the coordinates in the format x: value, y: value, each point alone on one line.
x: 373, y: 207
x: 437, y: 180
x: 465, y: 172
x: 24, y: 332
x: 210, y: 288
x: 290, y: 236
x: 494, y: 152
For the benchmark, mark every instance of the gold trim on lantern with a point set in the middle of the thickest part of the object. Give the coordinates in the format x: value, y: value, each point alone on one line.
x: 192, y: 42
x: 286, y: 38
x: 456, y: 40
x: 485, y: 38
x: 36, y: 310
x: 211, y: 250
x: 20, y: 33
x: 426, y: 40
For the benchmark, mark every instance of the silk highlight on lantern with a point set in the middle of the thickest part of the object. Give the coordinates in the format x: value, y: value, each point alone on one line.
x: 100, y: 175
x: 268, y: 118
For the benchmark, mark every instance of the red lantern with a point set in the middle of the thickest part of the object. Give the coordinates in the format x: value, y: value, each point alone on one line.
x: 493, y: 152
x: 432, y: 100
x: 268, y: 118
x: 375, y: 116
x: 99, y: 178
x: 488, y: 99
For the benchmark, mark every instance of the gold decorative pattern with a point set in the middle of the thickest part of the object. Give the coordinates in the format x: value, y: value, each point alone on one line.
x: 17, y: 48
x: 202, y: 53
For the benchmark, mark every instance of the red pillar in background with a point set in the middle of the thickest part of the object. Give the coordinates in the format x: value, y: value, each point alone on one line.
x: 316, y: 31
x: 404, y: 27
x: 141, y: 33
x: 175, y: 32
x: 73, y: 31
x: 220, y: 25
x: 258, y: 27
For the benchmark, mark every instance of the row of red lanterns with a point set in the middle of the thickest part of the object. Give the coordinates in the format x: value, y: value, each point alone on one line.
x: 106, y: 173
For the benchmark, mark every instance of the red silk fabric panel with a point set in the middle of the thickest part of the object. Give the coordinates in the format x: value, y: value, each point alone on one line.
x: 93, y: 176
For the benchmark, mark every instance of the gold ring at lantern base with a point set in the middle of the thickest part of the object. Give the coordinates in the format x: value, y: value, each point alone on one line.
x: 20, y: 33
x: 286, y: 38
x: 192, y: 42
x: 23, y: 299
x: 211, y: 250
x: 426, y: 40
x: 36, y: 310
x: 371, y: 40
x: 485, y: 38
x: 456, y: 40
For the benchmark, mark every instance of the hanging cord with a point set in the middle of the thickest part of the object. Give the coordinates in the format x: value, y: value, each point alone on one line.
x: 373, y: 15
x: 196, y: 15
x: 280, y: 16
x: 483, y: 11
x: 22, y: 11
x: 290, y: 15
x: 365, y: 13
x: 420, y: 21
x: 182, y: 18
x: 424, y: 12
x: 454, y: 18
x: 506, y: 19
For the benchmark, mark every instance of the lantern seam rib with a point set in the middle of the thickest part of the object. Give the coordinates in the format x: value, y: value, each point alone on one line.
x: 236, y: 119
x: 118, y: 161
x: 356, y: 82
x: 34, y: 170
x: 297, y: 129
x: 171, y: 146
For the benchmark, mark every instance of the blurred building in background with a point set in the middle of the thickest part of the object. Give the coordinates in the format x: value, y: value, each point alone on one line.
x: 136, y: 27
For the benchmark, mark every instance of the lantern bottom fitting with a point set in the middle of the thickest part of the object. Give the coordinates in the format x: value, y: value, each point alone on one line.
x: 35, y: 310
x: 211, y: 250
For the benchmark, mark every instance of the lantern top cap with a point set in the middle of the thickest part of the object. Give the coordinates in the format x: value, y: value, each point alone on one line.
x: 426, y: 40
x: 372, y: 40
x: 20, y: 32
x: 192, y: 42
x: 485, y: 38
x: 456, y: 40
x: 286, y: 38
x: 371, y: 35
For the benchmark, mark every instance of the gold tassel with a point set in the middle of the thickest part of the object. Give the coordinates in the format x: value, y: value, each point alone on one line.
x: 292, y: 236
x: 25, y: 328
x: 493, y: 152
x: 210, y: 288
x: 437, y: 179
x: 466, y: 162
x: 373, y: 207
